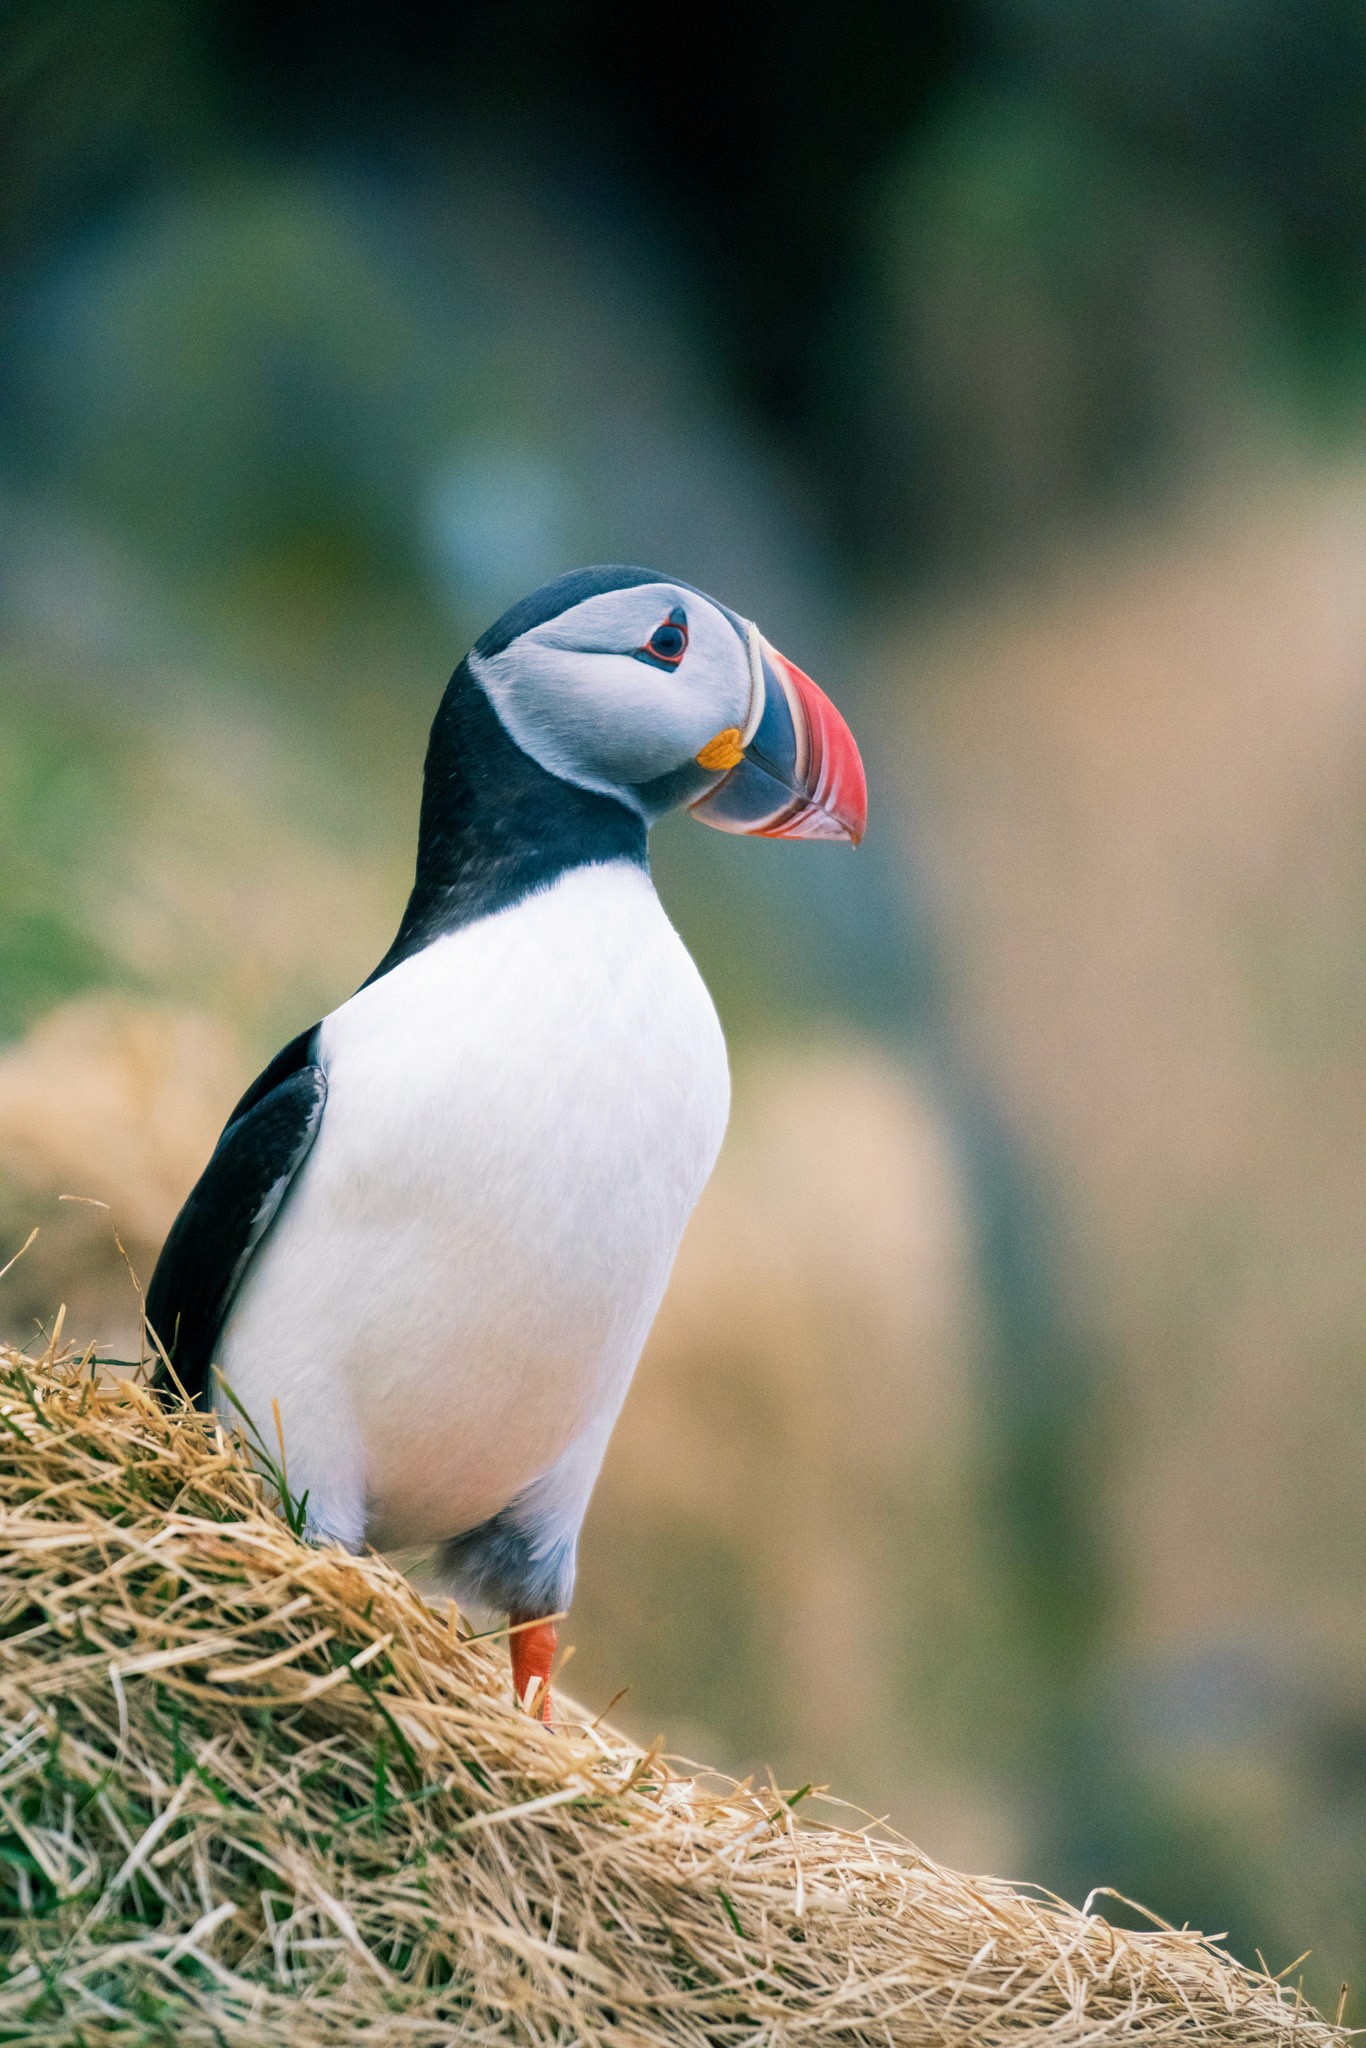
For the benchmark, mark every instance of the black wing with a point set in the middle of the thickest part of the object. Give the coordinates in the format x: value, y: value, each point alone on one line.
x: 230, y: 1208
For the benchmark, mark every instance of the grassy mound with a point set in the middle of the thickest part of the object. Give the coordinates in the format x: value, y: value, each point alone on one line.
x: 252, y: 1791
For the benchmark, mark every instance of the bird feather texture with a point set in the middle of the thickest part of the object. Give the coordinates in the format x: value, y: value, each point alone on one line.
x: 520, y: 1119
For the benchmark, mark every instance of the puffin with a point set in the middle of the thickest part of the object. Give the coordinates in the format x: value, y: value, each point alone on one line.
x: 427, y: 1249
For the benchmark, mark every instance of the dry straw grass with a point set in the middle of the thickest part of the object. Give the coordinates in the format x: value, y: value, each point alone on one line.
x: 258, y: 1792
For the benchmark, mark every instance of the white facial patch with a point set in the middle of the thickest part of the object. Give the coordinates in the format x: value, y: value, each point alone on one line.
x: 575, y: 696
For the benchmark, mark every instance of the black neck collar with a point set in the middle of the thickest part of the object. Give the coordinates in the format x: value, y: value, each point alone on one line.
x: 495, y: 825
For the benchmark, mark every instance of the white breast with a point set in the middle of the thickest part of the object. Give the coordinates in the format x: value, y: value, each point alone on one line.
x: 519, y: 1121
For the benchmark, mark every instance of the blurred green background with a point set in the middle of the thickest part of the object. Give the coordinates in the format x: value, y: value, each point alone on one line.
x: 998, y: 1456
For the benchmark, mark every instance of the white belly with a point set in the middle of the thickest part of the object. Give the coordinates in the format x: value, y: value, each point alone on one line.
x: 519, y: 1121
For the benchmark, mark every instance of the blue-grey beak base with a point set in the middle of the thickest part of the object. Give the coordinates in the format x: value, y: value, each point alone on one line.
x: 763, y: 784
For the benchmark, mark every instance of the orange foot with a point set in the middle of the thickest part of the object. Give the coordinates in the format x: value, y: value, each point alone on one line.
x: 533, y: 1653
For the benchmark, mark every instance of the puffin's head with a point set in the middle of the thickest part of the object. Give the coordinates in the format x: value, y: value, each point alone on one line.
x: 641, y: 688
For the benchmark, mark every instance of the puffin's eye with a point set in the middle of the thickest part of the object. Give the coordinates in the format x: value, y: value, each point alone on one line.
x: 668, y: 644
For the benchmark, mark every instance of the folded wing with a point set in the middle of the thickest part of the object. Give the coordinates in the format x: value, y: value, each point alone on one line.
x: 230, y: 1208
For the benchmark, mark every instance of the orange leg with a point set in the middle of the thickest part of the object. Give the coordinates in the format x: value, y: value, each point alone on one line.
x: 533, y: 1653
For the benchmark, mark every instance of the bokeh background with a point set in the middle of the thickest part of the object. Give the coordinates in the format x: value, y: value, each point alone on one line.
x: 998, y: 1456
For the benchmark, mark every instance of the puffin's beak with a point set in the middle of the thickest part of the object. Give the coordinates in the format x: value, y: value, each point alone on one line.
x: 797, y: 774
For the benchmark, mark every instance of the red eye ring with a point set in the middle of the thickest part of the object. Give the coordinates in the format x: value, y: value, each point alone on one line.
x: 668, y: 644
